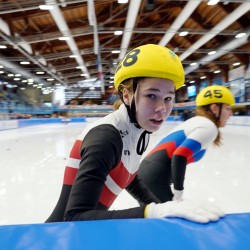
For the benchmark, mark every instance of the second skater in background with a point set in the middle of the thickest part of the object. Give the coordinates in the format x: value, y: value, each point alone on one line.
x: 186, y: 143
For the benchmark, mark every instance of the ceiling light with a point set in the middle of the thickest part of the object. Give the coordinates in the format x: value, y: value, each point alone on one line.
x: 122, y: 1
x: 217, y: 71
x: 193, y: 64
x: 213, y: 2
x: 16, y: 79
x: 39, y: 72
x: 84, y: 74
x: 1, y: 66
x: 240, y: 35
x: 63, y: 38
x: 115, y: 51
x: 3, y: 47
x: 203, y: 77
x: 236, y: 64
x: 1, y: 72
x: 50, y: 79
x: 212, y: 52
x: 183, y: 33
x: 192, y: 82
x: 118, y: 32
x: 73, y: 56
x: 46, y: 7
x: 24, y: 62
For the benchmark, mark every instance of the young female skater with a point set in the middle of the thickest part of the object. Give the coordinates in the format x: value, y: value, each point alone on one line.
x: 186, y: 143
x: 105, y: 158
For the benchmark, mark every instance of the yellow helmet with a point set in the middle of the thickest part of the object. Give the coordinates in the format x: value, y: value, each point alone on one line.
x: 150, y: 60
x: 215, y: 94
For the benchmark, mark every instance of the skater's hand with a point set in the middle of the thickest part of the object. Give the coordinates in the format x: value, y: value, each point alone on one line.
x: 201, y: 212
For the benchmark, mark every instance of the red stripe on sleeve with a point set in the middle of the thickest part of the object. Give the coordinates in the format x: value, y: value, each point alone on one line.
x: 107, y: 197
x: 75, y: 151
x: 169, y: 147
x: 186, y: 152
x: 69, y: 175
x: 120, y: 175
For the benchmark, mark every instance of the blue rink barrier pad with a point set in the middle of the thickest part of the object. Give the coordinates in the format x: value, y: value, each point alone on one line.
x: 230, y: 233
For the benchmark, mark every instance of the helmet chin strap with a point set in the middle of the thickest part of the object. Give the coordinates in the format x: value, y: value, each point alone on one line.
x: 220, y: 109
x: 131, y: 109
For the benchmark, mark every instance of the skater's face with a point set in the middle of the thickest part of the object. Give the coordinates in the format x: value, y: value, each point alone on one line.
x: 154, y: 98
x: 225, y: 113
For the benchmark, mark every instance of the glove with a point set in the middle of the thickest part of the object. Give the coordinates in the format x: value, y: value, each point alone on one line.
x: 178, y: 195
x: 201, y: 212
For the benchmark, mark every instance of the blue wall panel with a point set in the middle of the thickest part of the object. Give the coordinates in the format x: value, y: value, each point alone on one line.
x: 230, y: 233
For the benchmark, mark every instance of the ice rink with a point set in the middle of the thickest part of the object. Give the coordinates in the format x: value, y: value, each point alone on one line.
x: 33, y: 160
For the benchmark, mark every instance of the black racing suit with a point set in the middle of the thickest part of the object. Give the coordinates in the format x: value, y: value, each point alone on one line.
x: 103, y: 161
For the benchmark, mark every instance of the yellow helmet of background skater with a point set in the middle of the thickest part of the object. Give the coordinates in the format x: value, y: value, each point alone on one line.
x: 215, y: 94
x: 150, y: 60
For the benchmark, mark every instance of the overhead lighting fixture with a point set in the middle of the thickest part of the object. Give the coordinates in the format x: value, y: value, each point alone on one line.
x: 212, y: 52
x: 73, y: 56
x: 236, y: 64
x: 25, y: 63
x: 122, y: 1
x: 50, y: 79
x: 118, y: 32
x: 80, y: 67
x: 83, y: 74
x: 39, y: 72
x: 115, y: 51
x: 63, y: 38
x: 193, y: 64
x: 1, y: 72
x: 1, y: 66
x: 203, y: 77
x: 183, y: 33
x: 213, y: 2
x: 240, y: 35
x: 3, y: 47
x: 192, y: 82
x: 46, y: 7
x: 217, y: 71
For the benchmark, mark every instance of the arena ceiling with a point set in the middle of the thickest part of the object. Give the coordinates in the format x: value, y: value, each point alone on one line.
x: 29, y: 34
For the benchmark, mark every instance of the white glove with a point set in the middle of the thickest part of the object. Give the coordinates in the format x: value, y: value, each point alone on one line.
x: 178, y: 195
x: 201, y: 212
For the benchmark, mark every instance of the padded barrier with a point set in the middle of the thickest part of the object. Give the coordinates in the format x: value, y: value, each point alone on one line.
x: 230, y: 233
